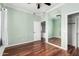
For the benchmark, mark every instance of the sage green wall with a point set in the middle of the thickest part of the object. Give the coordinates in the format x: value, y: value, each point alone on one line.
x: 54, y: 27
x: 20, y: 26
x: 50, y: 28
x: 57, y: 27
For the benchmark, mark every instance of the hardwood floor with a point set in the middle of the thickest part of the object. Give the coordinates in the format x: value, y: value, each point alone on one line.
x: 73, y: 51
x: 39, y: 48
x: 56, y: 41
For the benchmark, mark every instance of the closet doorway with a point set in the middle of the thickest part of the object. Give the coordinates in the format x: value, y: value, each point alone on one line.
x: 73, y: 34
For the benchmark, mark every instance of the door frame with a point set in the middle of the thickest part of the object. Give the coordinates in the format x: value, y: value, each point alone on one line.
x: 46, y: 37
x: 45, y: 28
x: 66, y: 15
x: 4, y: 20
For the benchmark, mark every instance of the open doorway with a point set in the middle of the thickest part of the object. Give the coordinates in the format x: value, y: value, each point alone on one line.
x: 39, y: 30
x: 43, y: 26
x: 73, y: 33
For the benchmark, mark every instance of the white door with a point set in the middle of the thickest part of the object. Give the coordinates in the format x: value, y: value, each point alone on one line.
x: 37, y: 30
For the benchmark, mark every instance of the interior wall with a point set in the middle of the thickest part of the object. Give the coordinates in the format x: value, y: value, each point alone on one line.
x: 20, y: 26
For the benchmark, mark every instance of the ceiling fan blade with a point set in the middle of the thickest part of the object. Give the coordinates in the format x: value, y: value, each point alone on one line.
x: 48, y: 4
x: 38, y: 6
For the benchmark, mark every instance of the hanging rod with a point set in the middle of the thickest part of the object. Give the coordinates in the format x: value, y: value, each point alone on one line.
x: 71, y: 23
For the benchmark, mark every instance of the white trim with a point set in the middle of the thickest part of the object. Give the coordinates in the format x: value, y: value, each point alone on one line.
x: 4, y: 26
x: 43, y: 20
x: 35, y: 40
x: 55, y: 36
x: 55, y: 7
x: 56, y: 46
x: 21, y: 43
x: 46, y: 35
x: 2, y: 50
x: 72, y: 12
x: 66, y: 15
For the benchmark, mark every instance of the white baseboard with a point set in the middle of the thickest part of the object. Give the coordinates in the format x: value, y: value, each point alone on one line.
x: 21, y: 43
x: 56, y: 46
x: 55, y: 36
x: 2, y: 50
x: 36, y: 40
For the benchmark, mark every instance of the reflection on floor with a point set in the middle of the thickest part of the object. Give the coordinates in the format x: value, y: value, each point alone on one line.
x: 73, y: 51
x: 37, y: 48
x: 56, y: 41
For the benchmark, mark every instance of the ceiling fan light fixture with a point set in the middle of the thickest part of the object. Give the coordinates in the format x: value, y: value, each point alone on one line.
x: 38, y: 6
x: 48, y: 4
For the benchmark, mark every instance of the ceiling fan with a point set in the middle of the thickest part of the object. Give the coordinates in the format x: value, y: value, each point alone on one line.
x: 39, y: 5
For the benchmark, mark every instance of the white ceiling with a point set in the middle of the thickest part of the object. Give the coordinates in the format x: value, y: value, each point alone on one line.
x: 32, y: 7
